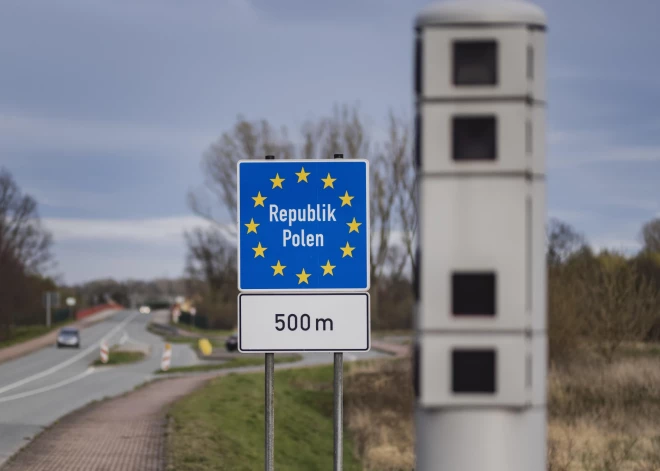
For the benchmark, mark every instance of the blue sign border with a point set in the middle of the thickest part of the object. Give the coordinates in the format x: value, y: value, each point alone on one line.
x: 238, y: 227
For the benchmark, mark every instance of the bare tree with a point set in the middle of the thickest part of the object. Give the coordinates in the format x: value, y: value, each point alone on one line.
x: 345, y: 131
x: 562, y: 241
x: 404, y: 185
x: 24, y: 251
x: 651, y: 235
x: 567, y: 313
x: 21, y: 232
x: 621, y: 304
x: 211, y: 258
x: 247, y: 140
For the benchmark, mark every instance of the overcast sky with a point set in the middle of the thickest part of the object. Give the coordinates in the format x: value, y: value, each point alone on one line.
x: 107, y: 106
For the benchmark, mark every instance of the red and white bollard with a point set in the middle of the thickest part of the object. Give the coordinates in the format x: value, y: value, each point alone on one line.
x: 105, y: 352
x: 167, y: 356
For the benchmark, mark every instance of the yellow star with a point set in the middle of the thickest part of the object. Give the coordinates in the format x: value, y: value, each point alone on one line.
x: 277, y: 181
x: 354, y: 225
x: 279, y: 268
x: 328, y: 181
x: 302, y: 175
x: 252, y: 226
x: 327, y: 268
x: 348, y: 250
x: 302, y: 277
x: 259, y: 251
x: 346, y: 200
x: 259, y: 200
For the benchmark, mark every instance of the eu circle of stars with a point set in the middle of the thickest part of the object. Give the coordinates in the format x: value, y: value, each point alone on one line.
x: 284, y: 253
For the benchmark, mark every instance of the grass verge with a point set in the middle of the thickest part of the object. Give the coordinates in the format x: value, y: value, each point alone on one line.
x: 232, y: 363
x: 221, y: 426
x: 24, y: 333
x: 203, y: 332
x: 120, y: 358
x: 379, y: 334
x: 601, y: 417
x: 215, y: 342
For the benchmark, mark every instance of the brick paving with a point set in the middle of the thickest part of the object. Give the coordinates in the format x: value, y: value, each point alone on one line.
x: 126, y: 433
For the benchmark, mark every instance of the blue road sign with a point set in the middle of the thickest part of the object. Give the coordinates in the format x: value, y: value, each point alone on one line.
x: 303, y: 225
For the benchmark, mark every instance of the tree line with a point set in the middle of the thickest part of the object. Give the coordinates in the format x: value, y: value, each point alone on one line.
x: 601, y: 302
x: 25, y: 256
x: 211, y: 257
x: 600, y: 299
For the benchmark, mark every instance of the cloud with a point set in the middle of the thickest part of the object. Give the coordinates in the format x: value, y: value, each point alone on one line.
x: 22, y: 131
x: 627, y: 246
x: 630, y: 202
x: 597, y: 152
x: 568, y: 215
x: 566, y: 72
x: 69, y: 198
x: 78, y: 265
x: 623, y: 154
x: 168, y: 230
x: 574, y: 137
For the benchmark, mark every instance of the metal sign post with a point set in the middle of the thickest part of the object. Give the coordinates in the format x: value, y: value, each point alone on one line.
x: 303, y: 267
x: 270, y: 411
x: 338, y: 401
x: 338, y: 410
x: 269, y: 376
x: 50, y: 300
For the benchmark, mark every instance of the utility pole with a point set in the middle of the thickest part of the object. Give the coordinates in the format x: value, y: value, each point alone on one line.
x: 480, y: 356
x: 48, y: 316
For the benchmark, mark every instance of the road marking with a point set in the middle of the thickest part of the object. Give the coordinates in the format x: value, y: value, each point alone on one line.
x: 22, y: 395
x: 71, y: 360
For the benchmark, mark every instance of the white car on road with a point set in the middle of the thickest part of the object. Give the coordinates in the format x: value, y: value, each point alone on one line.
x: 68, y: 337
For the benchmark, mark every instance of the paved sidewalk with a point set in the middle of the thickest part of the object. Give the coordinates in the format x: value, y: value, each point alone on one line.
x: 126, y: 433
x: 162, y: 317
x: 393, y: 348
x: 25, y: 348
x: 122, y: 434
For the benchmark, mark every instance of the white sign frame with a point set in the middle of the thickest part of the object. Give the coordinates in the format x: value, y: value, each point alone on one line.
x: 316, y: 300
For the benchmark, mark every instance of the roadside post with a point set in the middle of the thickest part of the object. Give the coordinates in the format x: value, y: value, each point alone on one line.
x: 105, y: 352
x: 166, y: 358
x: 50, y: 300
x: 303, y: 267
x: 71, y: 301
x: 480, y: 354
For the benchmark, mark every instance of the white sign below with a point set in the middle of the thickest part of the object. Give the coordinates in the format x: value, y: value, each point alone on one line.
x: 269, y: 323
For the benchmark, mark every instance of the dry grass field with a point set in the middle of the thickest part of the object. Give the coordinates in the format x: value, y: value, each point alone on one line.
x: 602, y: 416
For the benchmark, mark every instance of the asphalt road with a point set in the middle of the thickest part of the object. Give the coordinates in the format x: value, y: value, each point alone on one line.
x: 38, y: 389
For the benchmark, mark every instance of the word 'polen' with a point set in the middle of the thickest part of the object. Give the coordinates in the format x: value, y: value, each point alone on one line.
x: 302, y: 239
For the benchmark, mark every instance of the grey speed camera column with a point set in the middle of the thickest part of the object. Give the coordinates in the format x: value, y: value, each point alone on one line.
x: 481, y: 349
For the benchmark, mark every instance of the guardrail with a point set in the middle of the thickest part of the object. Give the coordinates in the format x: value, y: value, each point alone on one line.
x: 93, y: 310
x: 164, y: 329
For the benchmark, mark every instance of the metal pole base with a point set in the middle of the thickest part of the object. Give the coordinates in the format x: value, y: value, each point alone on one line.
x: 269, y: 461
x: 338, y: 410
